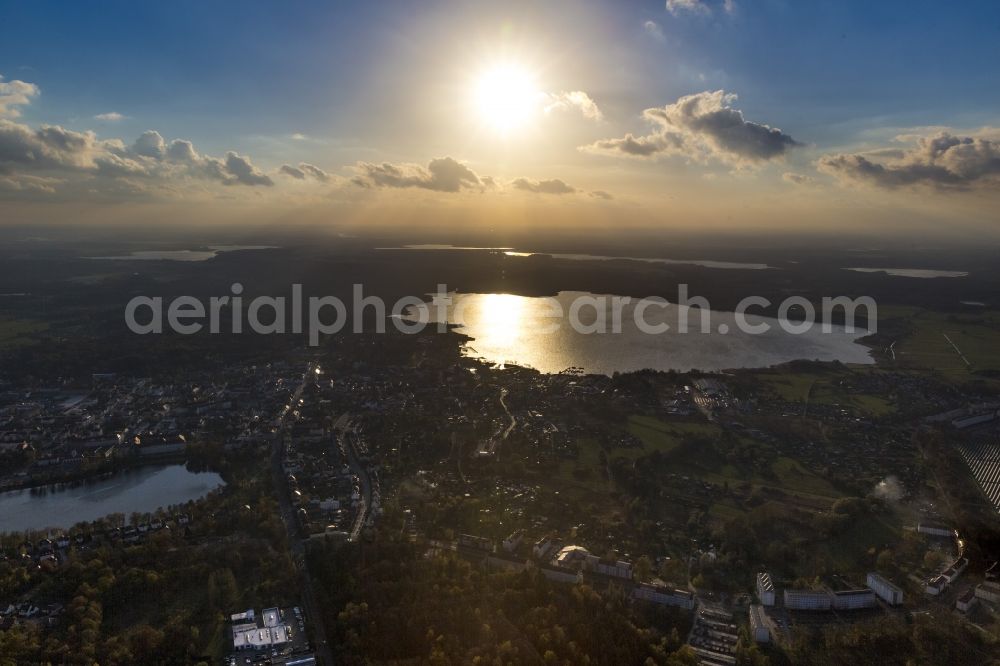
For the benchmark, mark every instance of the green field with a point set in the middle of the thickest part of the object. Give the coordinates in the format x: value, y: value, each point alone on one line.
x: 824, y: 388
x: 976, y: 337
x: 19, y: 332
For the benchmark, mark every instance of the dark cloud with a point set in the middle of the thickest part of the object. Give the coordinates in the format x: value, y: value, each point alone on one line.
x: 943, y: 160
x: 554, y: 186
x: 444, y: 174
x: 701, y: 126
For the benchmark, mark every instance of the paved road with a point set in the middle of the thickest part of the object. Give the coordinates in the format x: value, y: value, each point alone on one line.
x: 309, y: 604
x: 343, y: 432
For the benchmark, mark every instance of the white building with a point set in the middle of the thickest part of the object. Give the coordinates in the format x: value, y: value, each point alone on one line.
x: 542, y: 547
x: 885, y: 590
x: 616, y: 568
x: 765, y: 589
x: 932, y: 529
x: 513, y: 542
x: 966, y: 600
x: 759, y: 625
x: 270, y: 632
x: 989, y: 591
x: 815, y: 600
x: 853, y: 599
x: 661, y: 594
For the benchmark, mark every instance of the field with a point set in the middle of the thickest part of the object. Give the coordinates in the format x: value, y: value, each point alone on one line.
x: 825, y: 388
x: 956, y: 345
x: 19, y: 332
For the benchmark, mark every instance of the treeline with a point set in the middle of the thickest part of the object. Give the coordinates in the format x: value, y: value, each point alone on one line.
x: 387, y: 603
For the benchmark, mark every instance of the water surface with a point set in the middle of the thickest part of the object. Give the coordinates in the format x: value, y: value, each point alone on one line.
x: 142, y: 490
x: 510, y: 329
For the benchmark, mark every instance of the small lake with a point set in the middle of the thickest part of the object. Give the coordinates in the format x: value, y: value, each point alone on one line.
x: 510, y: 252
x: 182, y: 255
x: 924, y: 273
x: 704, y: 263
x: 141, y: 490
x: 522, y: 330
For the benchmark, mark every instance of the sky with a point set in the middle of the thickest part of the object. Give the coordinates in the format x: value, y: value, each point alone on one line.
x: 679, y: 113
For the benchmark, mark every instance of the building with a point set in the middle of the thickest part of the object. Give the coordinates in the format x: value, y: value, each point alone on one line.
x: 989, y: 591
x: 615, y: 568
x: 542, y: 547
x: 661, y: 594
x: 475, y: 542
x: 765, y: 589
x: 513, y: 542
x: 759, y: 625
x: 885, y: 590
x: 936, y: 585
x: 955, y: 569
x: 853, y: 599
x: 265, y: 632
x: 811, y: 600
x: 966, y: 600
x: 576, y: 557
x: 560, y: 575
x: 933, y: 529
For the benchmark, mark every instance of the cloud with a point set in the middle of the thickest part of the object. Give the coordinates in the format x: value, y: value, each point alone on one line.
x: 299, y: 136
x: 303, y: 171
x: 601, y: 194
x: 51, y: 157
x: 676, y: 7
x: 796, y: 178
x: 243, y: 171
x: 110, y: 117
x: 575, y: 100
x: 150, y: 144
x: 943, y: 160
x: 553, y: 186
x: 444, y: 174
x: 700, y: 7
x: 14, y: 94
x: 702, y: 126
x: 654, y: 30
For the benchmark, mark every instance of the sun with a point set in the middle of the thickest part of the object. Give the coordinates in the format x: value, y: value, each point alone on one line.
x: 506, y: 96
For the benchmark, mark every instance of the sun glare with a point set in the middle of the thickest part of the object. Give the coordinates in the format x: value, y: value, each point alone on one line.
x: 506, y: 96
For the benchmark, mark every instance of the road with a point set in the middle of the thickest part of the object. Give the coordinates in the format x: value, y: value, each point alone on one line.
x: 309, y: 604
x: 345, y: 434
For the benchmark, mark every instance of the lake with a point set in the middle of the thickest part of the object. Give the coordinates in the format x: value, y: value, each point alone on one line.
x: 141, y: 490
x: 924, y: 273
x: 704, y: 263
x: 511, y: 252
x: 512, y: 329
